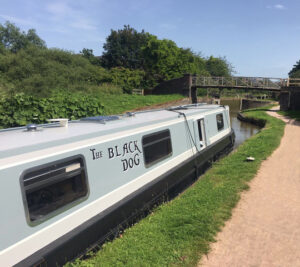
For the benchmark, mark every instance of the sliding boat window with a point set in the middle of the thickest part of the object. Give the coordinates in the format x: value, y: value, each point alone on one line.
x: 52, y: 188
x: 220, y: 122
x: 156, y: 147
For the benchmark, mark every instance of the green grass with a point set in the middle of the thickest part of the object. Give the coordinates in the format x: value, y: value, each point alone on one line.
x: 178, y: 233
x: 116, y: 104
x: 295, y: 114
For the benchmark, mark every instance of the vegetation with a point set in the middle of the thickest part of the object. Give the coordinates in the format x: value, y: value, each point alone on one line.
x: 22, y: 109
x: 13, y: 39
x: 130, y: 60
x: 160, y: 59
x: 218, y: 67
x: 295, y: 114
x: 41, y: 83
x: 179, y: 232
x: 120, y: 103
x: 123, y: 48
x: 295, y: 71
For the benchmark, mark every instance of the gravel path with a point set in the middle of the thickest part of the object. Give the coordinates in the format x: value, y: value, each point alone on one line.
x: 265, y: 226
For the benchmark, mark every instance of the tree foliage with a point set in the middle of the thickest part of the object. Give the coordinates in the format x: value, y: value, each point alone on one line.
x: 164, y: 60
x: 123, y: 48
x: 12, y: 38
x: 89, y: 54
x: 131, y: 59
x: 160, y: 59
x: 295, y: 71
x: 218, y: 67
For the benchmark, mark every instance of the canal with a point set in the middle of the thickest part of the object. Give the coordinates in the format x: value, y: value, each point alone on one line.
x: 243, y: 130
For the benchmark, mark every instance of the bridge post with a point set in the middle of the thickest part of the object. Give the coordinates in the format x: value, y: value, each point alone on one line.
x: 192, y: 89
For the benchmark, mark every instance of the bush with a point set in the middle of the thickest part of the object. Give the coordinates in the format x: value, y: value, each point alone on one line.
x: 127, y: 79
x: 40, y: 71
x: 21, y: 109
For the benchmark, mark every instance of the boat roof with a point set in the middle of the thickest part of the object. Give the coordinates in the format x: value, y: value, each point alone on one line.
x: 14, y: 141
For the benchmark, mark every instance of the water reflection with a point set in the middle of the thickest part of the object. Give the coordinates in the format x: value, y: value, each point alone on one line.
x: 242, y: 130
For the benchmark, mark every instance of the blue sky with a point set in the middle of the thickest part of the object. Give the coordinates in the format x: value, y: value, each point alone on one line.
x: 258, y: 37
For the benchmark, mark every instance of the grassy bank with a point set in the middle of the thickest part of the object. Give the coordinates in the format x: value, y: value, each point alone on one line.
x: 178, y: 233
x: 295, y: 114
x: 116, y: 104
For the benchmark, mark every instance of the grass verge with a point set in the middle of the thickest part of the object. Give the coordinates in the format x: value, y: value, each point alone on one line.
x: 116, y: 104
x: 179, y: 232
x: 295, y: 114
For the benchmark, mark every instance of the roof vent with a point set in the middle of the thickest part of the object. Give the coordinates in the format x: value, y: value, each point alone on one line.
x: 31, y: 127
x: 129, y: 114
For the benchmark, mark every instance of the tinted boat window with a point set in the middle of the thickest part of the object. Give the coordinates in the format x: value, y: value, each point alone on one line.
x: 200, y: 130
x: 220, y: 122
x: 51, y: 188
x: 156, y: 147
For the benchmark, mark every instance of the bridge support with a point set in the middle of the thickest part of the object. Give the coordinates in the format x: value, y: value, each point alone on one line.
x: 193, y: 95
x: 289, y: 98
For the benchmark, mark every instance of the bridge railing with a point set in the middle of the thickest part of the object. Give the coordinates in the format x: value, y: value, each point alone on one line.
x: 241, y: 82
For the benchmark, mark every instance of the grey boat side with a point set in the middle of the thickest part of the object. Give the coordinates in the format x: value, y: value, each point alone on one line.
x: 119, y: 180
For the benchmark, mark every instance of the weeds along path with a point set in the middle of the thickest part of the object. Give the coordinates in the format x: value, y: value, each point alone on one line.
x: 265, y: 226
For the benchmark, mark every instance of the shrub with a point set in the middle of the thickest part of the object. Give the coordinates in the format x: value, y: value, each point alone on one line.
x: 22, y: 109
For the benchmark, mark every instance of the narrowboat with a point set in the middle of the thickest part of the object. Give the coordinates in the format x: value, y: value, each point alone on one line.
x: 67, y: 186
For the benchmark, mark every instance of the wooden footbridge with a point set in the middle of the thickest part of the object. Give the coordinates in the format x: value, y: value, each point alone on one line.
x: 250, y: 83
x: 289, y: 89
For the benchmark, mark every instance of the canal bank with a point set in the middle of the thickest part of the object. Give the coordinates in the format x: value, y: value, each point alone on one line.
x: 264, y: 228
x: 180, y: 232
x: 243, y: 129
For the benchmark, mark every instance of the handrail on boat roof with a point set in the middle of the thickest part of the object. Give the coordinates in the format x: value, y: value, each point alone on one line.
x: 127, y: 114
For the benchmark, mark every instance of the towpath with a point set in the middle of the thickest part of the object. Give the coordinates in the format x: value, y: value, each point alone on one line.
x: 264, y: 229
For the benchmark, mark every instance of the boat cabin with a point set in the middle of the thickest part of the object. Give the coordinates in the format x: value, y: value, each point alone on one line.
x: 66, y: 186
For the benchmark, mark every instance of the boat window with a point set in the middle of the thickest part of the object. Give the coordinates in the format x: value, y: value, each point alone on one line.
x: 156, y: 147
x: 220, y: 122
x: 200, y: 131
x: 52, y: 188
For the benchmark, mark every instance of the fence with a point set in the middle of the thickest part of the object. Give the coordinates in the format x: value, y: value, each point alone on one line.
x: 138, y: 91
x: 293, y: 82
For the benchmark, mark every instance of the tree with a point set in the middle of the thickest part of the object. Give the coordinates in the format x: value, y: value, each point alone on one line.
x: 123, y: 48
x: 218, y: 67
x: 89, y: 54
x: 295, y: 71
x: 13, y: 39
x: 165, y: 60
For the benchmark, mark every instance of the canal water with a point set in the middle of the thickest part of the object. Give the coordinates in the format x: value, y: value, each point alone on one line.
x: 243, y: 130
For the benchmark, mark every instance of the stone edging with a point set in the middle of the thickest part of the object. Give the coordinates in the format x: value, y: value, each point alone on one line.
x: 259, y: 122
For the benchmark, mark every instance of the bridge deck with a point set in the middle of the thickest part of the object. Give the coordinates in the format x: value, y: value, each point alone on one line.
x: 255, y: 83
